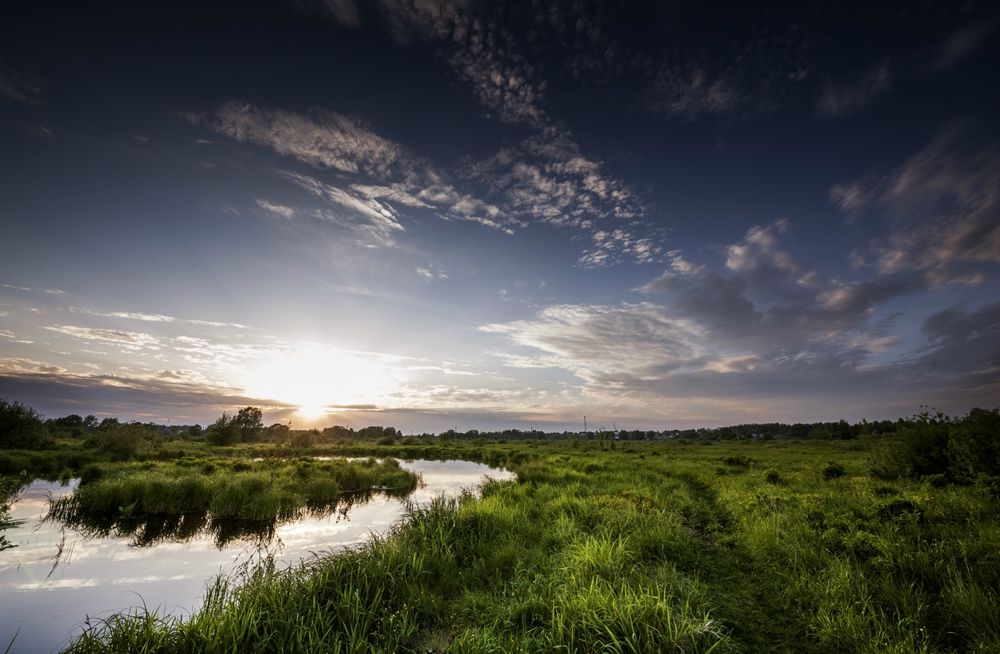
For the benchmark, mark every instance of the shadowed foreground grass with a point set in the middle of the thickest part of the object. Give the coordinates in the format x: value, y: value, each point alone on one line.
x: 632, y: 548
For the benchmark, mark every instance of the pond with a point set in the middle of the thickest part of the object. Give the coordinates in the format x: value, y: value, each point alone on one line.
x: 56, y: 578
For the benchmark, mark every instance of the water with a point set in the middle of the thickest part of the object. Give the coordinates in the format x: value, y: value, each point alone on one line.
x: 56, y: 578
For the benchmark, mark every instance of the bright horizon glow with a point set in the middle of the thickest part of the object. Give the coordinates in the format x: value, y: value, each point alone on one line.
x: 317, y: 378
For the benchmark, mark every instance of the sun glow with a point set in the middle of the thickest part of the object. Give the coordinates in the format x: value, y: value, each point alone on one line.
x: 319, y: 379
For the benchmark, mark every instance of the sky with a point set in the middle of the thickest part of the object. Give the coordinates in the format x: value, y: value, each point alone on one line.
x: 438, y: 214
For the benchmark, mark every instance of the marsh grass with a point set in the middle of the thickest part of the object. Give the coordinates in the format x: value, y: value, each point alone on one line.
x: 638, y: 548
x: 236, y: 498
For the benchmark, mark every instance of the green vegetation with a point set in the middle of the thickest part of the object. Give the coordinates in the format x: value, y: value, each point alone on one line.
x: 21, y: 427
x: 874, y: 537
x: 622, y: 547
x: 8, y: 488
x: 231, y: 498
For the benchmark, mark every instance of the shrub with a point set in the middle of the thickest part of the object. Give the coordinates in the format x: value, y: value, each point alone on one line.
x: 772, y: 476
x: 91, y: 473
x: 224, y: 431
x: 126, y: 441
x: 21, y: 427
x: 943, y: 450
x: 833, y: 471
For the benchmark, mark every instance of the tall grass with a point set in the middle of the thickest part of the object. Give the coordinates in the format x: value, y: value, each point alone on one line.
x: 155, y: 500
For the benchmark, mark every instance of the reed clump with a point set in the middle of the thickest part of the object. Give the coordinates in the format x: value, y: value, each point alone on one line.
x: 234, y: 489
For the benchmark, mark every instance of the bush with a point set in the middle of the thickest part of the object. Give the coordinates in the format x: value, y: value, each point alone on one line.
x: 91, y: 473
x: 772, y: 476
x: 974, y: 446
x: 942, y: 450
x: 126, y: 441
x: 833, y: 471
x: 21, y: 427
x: 224, y: 431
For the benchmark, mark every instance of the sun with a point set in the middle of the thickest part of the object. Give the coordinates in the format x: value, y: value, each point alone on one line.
x: 317, y: 379
x: 311, y: 412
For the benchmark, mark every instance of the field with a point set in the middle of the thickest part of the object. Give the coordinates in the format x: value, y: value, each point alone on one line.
x: 605, y: 546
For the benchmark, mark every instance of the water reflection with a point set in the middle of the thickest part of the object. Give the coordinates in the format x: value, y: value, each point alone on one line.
x: 148, y: 531
x: 58, y: 576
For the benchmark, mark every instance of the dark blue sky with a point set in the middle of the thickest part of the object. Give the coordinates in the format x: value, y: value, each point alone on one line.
x: 436, y: 214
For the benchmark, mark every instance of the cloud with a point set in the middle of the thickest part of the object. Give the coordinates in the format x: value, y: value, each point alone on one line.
x: 546, y: 178
x: 325, y: 139
x: 963, y: 342
x: 381, y: 219
x: 849, y: 96
x: 943, y: 207
x: 502, y: 80
x: 279, y: 210
x: 384, y: 172
x: 145, y: 317
x: 617, y: 245
x: 759, y: 257
x: 690, y: 93
x: 57, y: 392
x: 596, y: 342
x: 20, y: 89
x: 345, y: 12
x: 482, y: 53
x: 643, y: 353
x: 125, y: 340
x: 710, y: 335
x: 717, y: 303
x: 852, y: 197
x: 431, y: 272
x: 962, y: 43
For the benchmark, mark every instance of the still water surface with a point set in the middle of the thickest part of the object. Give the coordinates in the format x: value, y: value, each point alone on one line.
x: 57, y: 577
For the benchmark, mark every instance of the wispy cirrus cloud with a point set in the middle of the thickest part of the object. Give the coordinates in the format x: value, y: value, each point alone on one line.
x: 847, y: 96
x: 325, y: 139
x: 943, y: 209
x: 124, y: 339
x: 691, y: 92
x: 279, y: 210
x: 961, y: 43
x: 381, y: 219
x: 545, y: 178
x: 382, y: 174
x: 18, y: 88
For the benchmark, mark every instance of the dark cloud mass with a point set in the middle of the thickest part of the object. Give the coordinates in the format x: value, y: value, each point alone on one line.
x: 430, y: 212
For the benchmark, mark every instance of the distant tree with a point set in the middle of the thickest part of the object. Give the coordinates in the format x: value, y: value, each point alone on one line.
x: 108, y: 423
x: 22, y: 427
x: 70, y: 421
x: 276, y: 432
x: 126, y: 441
x: 90, y: 423
x: 223, y: 431
x: 248, y: 423
x: 196, y: 431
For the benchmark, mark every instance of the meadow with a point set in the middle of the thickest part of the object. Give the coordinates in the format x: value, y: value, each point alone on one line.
x: 608, y: 546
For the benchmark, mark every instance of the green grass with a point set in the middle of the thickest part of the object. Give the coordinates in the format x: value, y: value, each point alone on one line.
x: 631, y: 547
x: 152, y: 501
